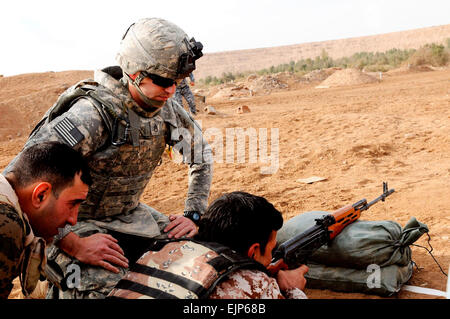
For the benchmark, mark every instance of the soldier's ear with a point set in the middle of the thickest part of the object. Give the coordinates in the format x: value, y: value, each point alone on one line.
x: 40, y: 194
x: 254, y: 251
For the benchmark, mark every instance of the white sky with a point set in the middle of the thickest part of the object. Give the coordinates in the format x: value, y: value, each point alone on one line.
x: 45, y: 35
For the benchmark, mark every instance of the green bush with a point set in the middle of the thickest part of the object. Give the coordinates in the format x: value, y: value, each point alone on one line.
x: 433, y: 54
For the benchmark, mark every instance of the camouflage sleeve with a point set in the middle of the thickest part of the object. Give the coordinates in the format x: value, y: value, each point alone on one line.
x: 81, y: 127
x: 12, y: 241
x: 247, y: 284
x: 187, y: 138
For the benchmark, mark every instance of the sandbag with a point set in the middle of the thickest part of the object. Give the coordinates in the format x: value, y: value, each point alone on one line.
x: 383, y: 281
x: 361, y: 243
x: 370, y: 257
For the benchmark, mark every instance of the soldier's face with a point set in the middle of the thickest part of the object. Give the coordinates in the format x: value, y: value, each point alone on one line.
x: 152, y: 91
x: 266, y: 257
x: 61, y: 210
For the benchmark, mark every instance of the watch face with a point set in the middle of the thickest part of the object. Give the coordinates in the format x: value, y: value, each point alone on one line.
x: 196, y: 216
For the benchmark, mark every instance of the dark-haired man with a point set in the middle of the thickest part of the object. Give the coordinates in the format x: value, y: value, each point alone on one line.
x: 227, y: 259
x: 248, y: 224
x: 40, y: 196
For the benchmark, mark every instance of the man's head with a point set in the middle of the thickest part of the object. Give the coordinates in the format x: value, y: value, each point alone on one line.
x: 244, y: 222
x: 51, y: 180
x: 156, y: 52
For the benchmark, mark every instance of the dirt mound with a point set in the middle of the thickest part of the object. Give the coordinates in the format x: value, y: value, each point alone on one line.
x: 347, y: 77
x: 411, y: 69
x: 25, y: 98
x: 319, y: 75
x: 252, y: 85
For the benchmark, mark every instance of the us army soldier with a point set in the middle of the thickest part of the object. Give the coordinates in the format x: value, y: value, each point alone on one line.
x: 184, y: 90
x: 121, y: 122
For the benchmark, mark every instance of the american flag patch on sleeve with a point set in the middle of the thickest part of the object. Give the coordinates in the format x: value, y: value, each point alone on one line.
x: 69, y: 133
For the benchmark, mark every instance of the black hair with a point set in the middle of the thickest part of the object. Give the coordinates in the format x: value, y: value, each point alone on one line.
x: 52, y: 162
x: 238, y: 220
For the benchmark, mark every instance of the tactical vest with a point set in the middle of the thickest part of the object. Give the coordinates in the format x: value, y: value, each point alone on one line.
x: 180, y: 269
x: 32, y: 258
x: 122, y: 168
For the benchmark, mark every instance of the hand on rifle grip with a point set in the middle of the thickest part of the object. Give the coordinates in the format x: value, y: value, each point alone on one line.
x: 275, y: 267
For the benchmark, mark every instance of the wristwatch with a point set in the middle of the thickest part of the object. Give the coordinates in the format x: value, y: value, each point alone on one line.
x: 192, y: 215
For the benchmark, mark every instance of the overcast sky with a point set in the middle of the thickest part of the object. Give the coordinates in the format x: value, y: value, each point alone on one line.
x: 44, y: 35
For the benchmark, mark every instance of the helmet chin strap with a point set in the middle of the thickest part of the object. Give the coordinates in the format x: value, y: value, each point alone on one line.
x: 153, y: 106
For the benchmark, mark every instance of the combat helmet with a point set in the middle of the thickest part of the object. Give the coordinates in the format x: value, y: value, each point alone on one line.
x: 157, y: 46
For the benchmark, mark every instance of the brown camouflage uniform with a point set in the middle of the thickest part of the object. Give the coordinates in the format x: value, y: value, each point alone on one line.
x: 252, y: 284
x: 184, y: 269
x: 12, y: 242
x: 121, y: 173
x: 21, y: 253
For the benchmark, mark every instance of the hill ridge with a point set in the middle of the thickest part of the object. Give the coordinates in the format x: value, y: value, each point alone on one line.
x: 216, y: 63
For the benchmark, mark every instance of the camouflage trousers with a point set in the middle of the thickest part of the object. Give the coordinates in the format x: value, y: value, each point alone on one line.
x: 189, y: 97
x: 95, y: 282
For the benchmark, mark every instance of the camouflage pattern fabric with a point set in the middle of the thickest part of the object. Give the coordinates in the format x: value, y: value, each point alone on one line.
x: 13, y: 231
x: 140, y: 49
x: 183, y: 90
x: 12, y: 239
x: 121, y: 172
x: 253, y: 284
x: 185, y: 270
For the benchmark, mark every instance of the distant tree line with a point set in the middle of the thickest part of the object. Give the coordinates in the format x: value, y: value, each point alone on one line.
x: 433, y: 54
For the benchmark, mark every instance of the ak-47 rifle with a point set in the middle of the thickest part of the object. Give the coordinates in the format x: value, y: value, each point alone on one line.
x: 295, y: 251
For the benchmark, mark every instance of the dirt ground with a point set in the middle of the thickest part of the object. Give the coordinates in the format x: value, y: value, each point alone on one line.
x: 396, y: 130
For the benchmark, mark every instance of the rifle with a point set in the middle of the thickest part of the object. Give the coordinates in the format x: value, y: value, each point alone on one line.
x: 295, y: 251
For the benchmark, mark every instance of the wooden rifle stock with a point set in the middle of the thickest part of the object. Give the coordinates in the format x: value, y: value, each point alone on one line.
x: 295, y: 251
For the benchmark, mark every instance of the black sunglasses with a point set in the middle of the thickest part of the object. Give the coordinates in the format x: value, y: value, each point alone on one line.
x: 160, y: 81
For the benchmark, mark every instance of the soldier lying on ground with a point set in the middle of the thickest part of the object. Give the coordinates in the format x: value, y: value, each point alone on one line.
x: 121, y: 122
x: 41, y: 195
x: 227, y: 259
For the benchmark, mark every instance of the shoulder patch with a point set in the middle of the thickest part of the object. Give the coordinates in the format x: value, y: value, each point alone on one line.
x: 69, y: 133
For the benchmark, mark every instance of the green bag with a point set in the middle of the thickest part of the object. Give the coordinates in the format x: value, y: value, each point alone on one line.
x: 363, y: 252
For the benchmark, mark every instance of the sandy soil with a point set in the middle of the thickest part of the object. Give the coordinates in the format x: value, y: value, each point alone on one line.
x: 396, y: 130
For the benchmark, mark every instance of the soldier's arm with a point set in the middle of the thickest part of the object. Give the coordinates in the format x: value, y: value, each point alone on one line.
x: 12, y: 244
x: 186, y: 137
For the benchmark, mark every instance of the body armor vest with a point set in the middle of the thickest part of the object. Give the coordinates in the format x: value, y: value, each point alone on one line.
x: 122, y: 167
x: 181, y: 269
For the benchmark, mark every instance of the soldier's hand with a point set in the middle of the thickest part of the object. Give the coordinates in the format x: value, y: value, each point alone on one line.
x: 294, y: 278
x: 180, y: 226
x: 100, y: 250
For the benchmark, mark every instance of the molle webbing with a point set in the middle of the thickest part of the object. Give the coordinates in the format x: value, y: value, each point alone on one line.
x: 176, y: 277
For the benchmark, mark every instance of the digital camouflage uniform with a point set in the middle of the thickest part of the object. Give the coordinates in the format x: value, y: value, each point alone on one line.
x: 253, y: 284
x: 120, y: 173
x: 18, y: 245
x: 189, y: 269
x: 183, y: 89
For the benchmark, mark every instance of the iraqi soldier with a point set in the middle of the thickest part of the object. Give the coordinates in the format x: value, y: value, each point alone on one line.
x: 121, y: 121
x: 41, y: 195
x: 183, y: 89
x: 227, y: 259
